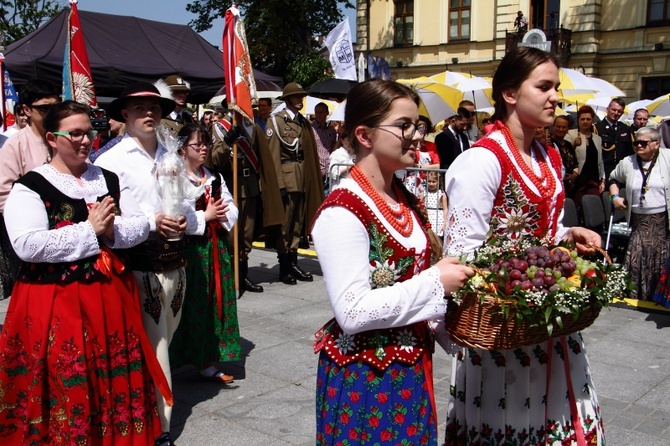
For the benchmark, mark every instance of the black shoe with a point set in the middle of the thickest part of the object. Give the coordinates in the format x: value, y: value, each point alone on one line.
x: 288, y: 279
x: 164, y: 440
x: 304, y: 243
x: 248, y: 285
x: 301, y: 275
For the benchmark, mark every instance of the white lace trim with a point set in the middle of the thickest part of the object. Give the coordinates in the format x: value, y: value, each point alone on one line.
x: 92, y: 181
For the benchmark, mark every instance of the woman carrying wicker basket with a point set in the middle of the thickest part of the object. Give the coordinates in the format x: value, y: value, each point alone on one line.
x: 374, y: 379
x: 509, y: 186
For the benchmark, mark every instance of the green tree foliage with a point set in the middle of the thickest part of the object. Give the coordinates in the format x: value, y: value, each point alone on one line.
x: 278, y: 31
x: 309, y: 69
x: 19, y: 18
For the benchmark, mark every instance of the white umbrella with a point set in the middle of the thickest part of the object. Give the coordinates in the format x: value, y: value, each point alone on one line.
x: 633, y: 106
x: 607, y: 89
x: 338, y: 113
x: 599, y: 103
x: 478, y: 90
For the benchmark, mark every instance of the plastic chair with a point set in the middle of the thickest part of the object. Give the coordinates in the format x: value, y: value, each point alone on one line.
x: 594, y: 213
x: 570, y: 213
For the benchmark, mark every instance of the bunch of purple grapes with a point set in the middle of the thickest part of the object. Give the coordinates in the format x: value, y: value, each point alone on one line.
x: 539, y: 269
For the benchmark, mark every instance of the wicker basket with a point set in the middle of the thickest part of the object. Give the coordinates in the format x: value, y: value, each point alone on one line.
x: 482, y: 325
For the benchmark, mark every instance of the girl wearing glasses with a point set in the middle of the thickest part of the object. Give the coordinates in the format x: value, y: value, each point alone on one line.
x: 509, y: 186
x: 374, y: 379
x: 646, y: 177
x: 208, y: 332
x: 75, y: 363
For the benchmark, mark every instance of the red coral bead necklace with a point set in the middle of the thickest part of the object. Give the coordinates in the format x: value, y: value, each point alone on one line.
x: 545, y: 182
x: 400, y: 219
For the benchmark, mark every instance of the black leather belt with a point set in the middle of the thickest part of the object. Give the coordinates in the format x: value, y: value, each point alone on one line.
x: 296, y: 159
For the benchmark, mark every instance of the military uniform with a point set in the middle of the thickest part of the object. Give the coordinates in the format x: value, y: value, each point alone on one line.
x: 252, y: 178
x: 616, y: 143
x: 296, y: 162
x: 175, y: 121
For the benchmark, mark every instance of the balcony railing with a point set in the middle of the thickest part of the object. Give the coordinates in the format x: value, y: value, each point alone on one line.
x: 560, y: 42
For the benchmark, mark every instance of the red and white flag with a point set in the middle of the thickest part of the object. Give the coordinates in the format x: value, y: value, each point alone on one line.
x: 77, y: 77
x: 238, y: 75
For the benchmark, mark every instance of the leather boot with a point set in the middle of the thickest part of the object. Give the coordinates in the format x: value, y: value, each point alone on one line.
x: 297, y: 272
x: 285, y: 269
x: 245, y: 283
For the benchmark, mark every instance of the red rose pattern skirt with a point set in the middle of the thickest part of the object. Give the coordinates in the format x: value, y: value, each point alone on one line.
x: 72, y: 368
x: 358, y: 404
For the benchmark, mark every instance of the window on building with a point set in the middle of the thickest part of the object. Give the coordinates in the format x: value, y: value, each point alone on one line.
x: 545, y: 14
x: 653, y: 87
x: 459, y: 19
x: 404, y: 23
x: 658, y: 12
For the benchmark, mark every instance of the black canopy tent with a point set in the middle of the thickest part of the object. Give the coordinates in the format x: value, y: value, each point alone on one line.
x: 123, y: 50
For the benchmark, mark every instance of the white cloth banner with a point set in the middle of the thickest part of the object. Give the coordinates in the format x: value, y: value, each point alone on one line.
x: 342, y: 51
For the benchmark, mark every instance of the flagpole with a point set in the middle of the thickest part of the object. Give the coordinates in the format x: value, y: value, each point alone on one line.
x: 240, y: 89
x: 3, y: 105
x: 236, y: 227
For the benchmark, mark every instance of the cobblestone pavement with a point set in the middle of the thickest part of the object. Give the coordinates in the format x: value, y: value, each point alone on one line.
x: 271, y: 402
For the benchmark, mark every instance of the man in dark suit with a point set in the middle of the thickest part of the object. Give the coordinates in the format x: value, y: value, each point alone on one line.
x: 453, y: 141
x: 615, y: 136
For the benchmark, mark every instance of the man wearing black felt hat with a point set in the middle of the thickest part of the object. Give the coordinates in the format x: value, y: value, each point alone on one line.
x: 158, y: 263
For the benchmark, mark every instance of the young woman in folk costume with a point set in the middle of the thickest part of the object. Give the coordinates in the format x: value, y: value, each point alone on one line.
x: 374, y: 381
x: 208, y: 332
x: 509, y: 185
x: 76, y: 365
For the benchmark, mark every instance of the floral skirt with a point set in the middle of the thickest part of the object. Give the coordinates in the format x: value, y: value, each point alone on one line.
x: 358, y: 404
x: 73, y: 368
x: 542, y: 394
x: 202, y: 337
x: 648, y: 249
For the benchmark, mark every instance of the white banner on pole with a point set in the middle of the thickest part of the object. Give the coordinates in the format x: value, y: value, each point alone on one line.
x: 342, y: 51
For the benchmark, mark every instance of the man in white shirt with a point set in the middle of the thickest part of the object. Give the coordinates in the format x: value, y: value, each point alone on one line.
x: 158, y: 263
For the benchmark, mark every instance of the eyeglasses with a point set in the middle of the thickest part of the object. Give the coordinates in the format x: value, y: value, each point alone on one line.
x: 198, y: 146
x: 43, y: 108
x: 77, y: 136
x: 639, y: 142
x: 408, y: 129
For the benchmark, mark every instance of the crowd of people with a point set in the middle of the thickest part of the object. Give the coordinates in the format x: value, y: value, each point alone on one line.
x: 110, y: 291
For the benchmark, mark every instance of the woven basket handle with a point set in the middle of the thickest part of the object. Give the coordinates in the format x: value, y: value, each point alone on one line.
x: 604, y: 254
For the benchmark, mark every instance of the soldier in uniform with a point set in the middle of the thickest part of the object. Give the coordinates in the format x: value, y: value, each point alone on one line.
x: 615, y: 136
x: 179, y: 89
x: 296, y: 162
x: 252, y: 179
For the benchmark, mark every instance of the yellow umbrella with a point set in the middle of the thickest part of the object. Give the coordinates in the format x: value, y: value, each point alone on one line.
x: 660, y: 106
x: 450, y: 78
x: 575, y: 87
x: 438, y: 101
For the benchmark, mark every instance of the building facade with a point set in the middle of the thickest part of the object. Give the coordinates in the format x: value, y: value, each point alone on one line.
x: 626, y: 42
